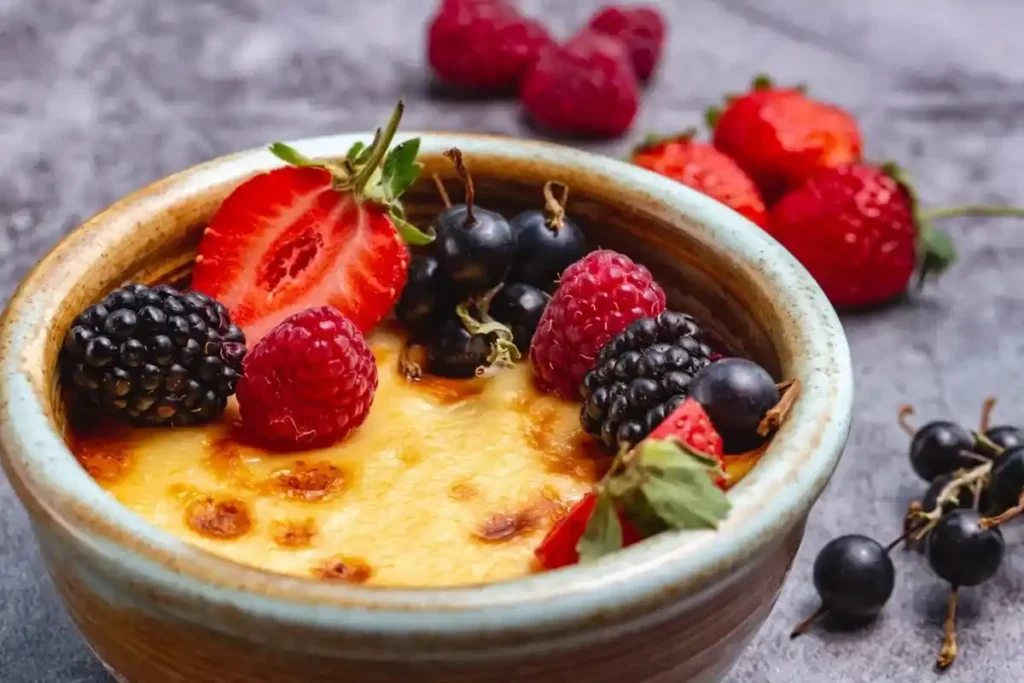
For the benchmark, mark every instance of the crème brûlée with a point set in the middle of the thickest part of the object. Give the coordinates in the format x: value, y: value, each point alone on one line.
x: 447, y: 482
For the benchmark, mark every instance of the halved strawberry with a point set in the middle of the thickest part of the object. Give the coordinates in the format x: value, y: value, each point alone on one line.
x: 692, y: 427
x: 314, y: 233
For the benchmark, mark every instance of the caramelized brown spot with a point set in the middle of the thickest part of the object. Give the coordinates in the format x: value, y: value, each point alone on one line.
x: 291, y: 533
x: 503, y: 527
x: 224, y: 518
x: 578, y: 456
x: 310, y: 481
x: 463, y: 490
x: 101, y: 448
x: 447, y: 391
x: 347, y: 569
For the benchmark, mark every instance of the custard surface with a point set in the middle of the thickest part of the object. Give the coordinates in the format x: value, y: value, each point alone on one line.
x: 447, y: 482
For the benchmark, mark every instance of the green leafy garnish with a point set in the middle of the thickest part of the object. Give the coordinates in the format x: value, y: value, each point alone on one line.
x: 603, y: 534
x: 290, y: 155
x: 401, y: 167
x: 660, y: 485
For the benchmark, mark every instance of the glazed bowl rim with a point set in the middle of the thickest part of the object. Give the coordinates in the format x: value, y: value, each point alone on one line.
x: 771, y: 499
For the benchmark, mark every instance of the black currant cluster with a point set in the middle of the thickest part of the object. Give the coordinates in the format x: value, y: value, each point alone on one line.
x: 975, y: 484
x: 477, y: 293
x: 643, y: 373
x: 154, y: 356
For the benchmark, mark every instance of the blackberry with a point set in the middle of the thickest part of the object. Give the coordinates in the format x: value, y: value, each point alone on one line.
x: 155, y: 356
x: 641, y: 376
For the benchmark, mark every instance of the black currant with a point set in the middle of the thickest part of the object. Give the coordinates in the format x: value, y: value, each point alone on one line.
x: 736, y: 394
x: 548, y: 242
x: 1007, y: 480
x: 453, y: 351
x: 426, y: 297
x: 1005, y: 436
x: 520, y: 306
x: 962, y: 551
x: 854, y: 577
x: 939, y: 448
x: 474, y: 247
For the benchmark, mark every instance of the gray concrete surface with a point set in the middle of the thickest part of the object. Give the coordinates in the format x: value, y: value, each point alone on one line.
x: 99, y: 97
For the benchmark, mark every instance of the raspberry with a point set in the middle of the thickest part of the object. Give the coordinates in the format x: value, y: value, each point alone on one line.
x: 598, y: 297
x: 483, y: 45
x: 585, y: 87
x: 641, y: 30
x: 308, y: 383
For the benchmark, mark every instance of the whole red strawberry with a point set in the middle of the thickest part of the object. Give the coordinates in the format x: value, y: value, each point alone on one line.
x: 781, y: 137
x: 483, y: 45
x: 705, y: 169
x: 307, y: 383
x: 597, y: 298
x: 586, y: 87
x: 313, y: 233
x: 640, y: 28
x: 855, y: 229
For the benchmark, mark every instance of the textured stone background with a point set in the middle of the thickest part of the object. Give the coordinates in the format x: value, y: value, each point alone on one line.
x: 99, y: 97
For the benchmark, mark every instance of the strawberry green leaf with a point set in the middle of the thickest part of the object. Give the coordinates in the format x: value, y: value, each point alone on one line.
x: 292, y: 156
x: 401, y: 168
x: 409, y: 232
x: 937, y: 252
x: 354, y: 151
x: 603, y: 534
x: 678, y: 483
x: 711, y: 116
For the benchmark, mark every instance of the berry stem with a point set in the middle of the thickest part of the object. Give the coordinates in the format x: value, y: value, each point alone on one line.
x: 973, y: 210
x: 778, y: 413
x: 906, y: 411
x: 1006, y: 516
x: 555, y: 208
x: 455, y: 155
x: 928, y: 519
x: 411, y: 361
x: 380, y: 146
x: 805, y: 625
x: 947, y: 654
x: 986, y: 413
x: 443, y: 192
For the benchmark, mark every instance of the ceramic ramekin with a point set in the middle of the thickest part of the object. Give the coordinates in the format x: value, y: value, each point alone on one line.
x: 679, y: 607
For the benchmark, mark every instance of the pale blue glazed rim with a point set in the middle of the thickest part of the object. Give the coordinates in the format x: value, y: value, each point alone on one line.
x: 773, y: 498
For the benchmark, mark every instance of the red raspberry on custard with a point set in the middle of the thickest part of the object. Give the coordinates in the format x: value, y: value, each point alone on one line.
x: 597, y: 298
x: 641, y: 29
x: 307, y: 383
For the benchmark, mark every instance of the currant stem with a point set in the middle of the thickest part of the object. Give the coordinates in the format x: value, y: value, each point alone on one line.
x: 903, y: 537
x: 410, y: 361
x: 805, y: 625
x: 555, y: 208
x: 986, y: 413
x: 778, y: 413
x: 1006, y: 516
x: 380, y: 148
x: 906, y: 411
x: 455, y: 155
x: 441, y: 191
x: 948, y: 652
x: 978, y: 210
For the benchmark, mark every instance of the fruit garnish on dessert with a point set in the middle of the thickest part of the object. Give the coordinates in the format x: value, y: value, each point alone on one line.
x: 155, y: 356
x: 474, y: 246
x: 781, y: 136
x: 308, y: 383
x: 315, y: 232
x: 548, y: 241
x: 598, y: 296
x: 419, y: 451
x: 700, y: 166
